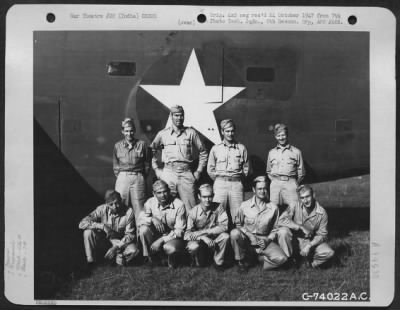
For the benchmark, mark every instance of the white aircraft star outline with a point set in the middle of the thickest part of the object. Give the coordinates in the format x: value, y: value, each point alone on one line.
x: 197, y: 99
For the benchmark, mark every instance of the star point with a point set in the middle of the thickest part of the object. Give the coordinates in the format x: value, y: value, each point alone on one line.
x: 197, y: 99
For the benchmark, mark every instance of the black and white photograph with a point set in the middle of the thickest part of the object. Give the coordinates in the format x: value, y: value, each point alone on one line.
x: 200, y: 164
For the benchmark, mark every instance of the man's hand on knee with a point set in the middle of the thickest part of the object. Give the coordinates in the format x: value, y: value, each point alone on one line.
x: 111, y: 252
x: 156, y: 246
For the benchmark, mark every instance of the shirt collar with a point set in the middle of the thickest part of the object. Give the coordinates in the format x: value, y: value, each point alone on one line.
x: 126, y: 144
x: 287, y: 146
x: 264, y: 205
x: 233, y: 145
x: 317, y: 209
x: 202, y: 211
x: 178, y: 132
x: 168, y: 206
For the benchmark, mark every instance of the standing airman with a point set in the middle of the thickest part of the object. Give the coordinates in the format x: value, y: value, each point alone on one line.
x: 131, y: 164
x: 178, y: 145
x: 228, y: 165
x: 285, y: 168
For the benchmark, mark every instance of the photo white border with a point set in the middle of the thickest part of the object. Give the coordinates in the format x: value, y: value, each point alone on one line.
x: 23, y: 20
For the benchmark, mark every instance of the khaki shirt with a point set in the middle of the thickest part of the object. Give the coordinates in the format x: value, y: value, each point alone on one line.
x: 173, y: 216
x: 179, y: 147
x: 228, y: 161
x: 134, y: 158
x: 285, y: 161
x: 211, y: 222
x: 259, y: 220
x: 122, y: 224
x: 316, y: 221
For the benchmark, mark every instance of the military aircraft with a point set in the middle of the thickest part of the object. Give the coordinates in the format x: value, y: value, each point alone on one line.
x: 86, y: 82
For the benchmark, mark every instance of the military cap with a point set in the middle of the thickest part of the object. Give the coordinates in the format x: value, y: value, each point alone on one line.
x: 227, y: 123
x: 159, y: 184
x: 176, y: 109
x: 280, y: 127
x: 261, y: 178
x: 128, y: 122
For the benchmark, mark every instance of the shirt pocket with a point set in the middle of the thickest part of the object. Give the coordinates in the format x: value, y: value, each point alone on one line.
x: 221, y: 164
x: 291, y: 160
x: 186, y: 148
x: 123, y: 155
x: 236, y: 161
x: 170, y: 148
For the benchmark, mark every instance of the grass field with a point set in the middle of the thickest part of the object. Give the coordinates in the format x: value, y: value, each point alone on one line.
x: 58, y: 264
x: 142, y: 283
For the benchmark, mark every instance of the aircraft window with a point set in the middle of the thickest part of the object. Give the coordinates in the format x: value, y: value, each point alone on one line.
x: 260, y: 74
x: 118, y: 68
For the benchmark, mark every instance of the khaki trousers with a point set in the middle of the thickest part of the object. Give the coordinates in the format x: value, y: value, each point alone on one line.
x: 199, y: 250
x: 132, y: 188
x: 96, y: 245
x: 181, y: 183
x: 284, y: 192
x: 148, y: 234
x: 229, y: 193
x: 272, y: 255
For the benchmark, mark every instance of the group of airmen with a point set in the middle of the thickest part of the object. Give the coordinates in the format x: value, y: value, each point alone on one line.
x: 204, y: 222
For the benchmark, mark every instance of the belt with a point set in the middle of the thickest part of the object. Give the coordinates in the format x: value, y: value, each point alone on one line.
x: 178, y: 167
x: 283, y: 178
x: 130, y: 172
x: 230, y: 179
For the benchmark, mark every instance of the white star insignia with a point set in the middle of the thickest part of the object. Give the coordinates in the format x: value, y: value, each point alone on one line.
x: 197, y: 99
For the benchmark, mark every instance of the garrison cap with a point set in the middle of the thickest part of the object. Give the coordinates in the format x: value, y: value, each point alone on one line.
x: 159, y: 184
x: 280, y: 127
x: 176, y: 109
x: 261, y: 178
x: 227, y: 123
x: 128, y: 122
